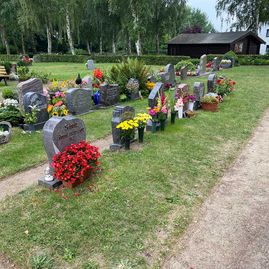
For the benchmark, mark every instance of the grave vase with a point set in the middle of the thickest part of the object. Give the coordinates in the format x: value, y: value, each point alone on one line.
x: 180, y: 112
x: 162, y: 124
x: 173, y: 117
x: 154, y: 127
x: 190, y: 106
x: 127, y: 143
x: 141, y: 131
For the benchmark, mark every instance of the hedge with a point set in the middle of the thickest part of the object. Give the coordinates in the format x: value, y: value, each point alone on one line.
x: 9, y: 58
x: 148, y: 59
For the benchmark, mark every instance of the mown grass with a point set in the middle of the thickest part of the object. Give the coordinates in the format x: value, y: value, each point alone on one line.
x: 138, y: 192
x: 25, y: 151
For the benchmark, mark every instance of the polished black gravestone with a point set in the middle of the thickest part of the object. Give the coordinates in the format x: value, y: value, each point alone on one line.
x: 58, y: 133
x: 120, y: 114
x: 79, y: 101
x: 40, y: 101
x: 198, y: 92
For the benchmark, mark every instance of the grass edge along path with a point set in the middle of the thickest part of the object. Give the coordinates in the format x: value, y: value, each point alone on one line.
x: 120, y: 219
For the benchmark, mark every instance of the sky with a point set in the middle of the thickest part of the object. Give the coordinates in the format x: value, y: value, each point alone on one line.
x: 208, y: 6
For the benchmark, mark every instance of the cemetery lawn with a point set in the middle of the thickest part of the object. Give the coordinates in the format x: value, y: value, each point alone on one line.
x: 143, y: 199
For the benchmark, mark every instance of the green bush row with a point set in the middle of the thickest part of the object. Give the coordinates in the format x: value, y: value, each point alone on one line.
x: 148, y: 59
x: 9, y: 58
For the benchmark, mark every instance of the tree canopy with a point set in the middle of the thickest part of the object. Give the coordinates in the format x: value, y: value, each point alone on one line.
x: 76, y: 26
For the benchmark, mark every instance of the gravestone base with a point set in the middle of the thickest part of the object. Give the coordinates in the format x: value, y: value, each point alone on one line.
x: 33, y: 127
x: 49, y: 184
x: 115, y: 147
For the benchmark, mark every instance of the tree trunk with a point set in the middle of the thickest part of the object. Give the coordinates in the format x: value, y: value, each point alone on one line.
x: 88, y: 47
x: 22, y: 44
x: 49, y: 39
x: 69, y: 33
x: 101, y: 45
x: 129, y: 45
x: 113, y: 44
x: 138, y: 45
x: 5, y: 41
x: 157, y: 43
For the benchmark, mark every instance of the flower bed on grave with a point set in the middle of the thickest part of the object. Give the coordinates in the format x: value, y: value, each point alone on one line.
x: 76, y: 163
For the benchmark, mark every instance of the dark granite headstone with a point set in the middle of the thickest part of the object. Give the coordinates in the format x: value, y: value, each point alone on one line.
x: 30, y: 85
x: 198, y: 92
x: 79, y: 101
x: 211, y: 82
x: 168, y: 76
x: 184, y: 73
x: 155, y: 93
x: 117, y: 118
x: 110, y: 94
x: 58, y: 133
x: 41, y: 102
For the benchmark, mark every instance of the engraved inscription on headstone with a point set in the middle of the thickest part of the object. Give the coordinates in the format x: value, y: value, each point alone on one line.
x: 31, y: 99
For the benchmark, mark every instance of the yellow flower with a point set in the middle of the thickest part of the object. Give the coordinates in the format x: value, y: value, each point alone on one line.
x: 54, y: 113
x: 66, y: 112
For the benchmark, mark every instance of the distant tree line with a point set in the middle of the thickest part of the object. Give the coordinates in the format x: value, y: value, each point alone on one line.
x: 99, y: 26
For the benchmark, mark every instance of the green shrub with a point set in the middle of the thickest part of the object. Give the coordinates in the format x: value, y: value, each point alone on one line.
x: 188, y: 64
x: 9, y: 94
x: 130, y: 68
x: 45, y: 77
x: 23, y: 73
x: 9, y: 58
x: 7, y: 66
x: 12, y: 115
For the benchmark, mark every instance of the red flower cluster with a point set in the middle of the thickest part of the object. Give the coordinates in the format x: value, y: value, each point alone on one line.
x: 75, y: 161
x: 97, y: 73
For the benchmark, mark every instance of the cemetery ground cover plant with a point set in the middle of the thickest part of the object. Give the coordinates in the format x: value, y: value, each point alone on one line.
x: 120, y: 222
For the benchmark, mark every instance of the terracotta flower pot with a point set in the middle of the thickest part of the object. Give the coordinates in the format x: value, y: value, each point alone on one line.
x: 210, y: 106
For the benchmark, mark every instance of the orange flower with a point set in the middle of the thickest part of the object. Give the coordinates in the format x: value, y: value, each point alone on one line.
x: 59, y: 103
x: 50, y: 107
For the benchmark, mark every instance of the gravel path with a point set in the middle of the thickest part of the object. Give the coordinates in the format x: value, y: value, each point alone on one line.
x: 21, y: 181
x: 231, y: 230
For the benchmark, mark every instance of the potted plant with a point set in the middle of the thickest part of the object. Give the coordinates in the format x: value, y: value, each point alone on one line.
x: 141, y: 120
x: 224, y: 86
x: 76, y: 163
x: 225, y: 63
x: 179, y: 107
x: 5, y: 132
x: 31, y: 118
x: 57, y: 106
x: 210, y: 103
x: 127, y: 128
x: 191, y: 100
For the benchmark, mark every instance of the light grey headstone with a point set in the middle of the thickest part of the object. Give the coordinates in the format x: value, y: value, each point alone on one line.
x: 90, y: 65
x: 38, y: 100
x: 182, y: 90
x: 216, y: 64
x: 88, y: 82
x: 211, y: 83
x: 184, y: 73
x: 171, y: 71
x: 198, y: 92
x: 30, y: 85
x: 79, y: 101
x: 118, y: 117
x: 110, y: 94
x: 203, y: 62
x: 134, y: 95
x: 155, y: 93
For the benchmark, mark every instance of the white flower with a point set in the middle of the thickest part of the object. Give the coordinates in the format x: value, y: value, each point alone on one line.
x: 10, y: 102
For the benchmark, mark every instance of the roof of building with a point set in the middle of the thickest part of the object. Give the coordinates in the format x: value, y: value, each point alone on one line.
x: 212, y: 38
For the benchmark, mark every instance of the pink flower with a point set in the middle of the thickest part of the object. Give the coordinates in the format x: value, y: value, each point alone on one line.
x: 164, y: 110
x: 152, y: 112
